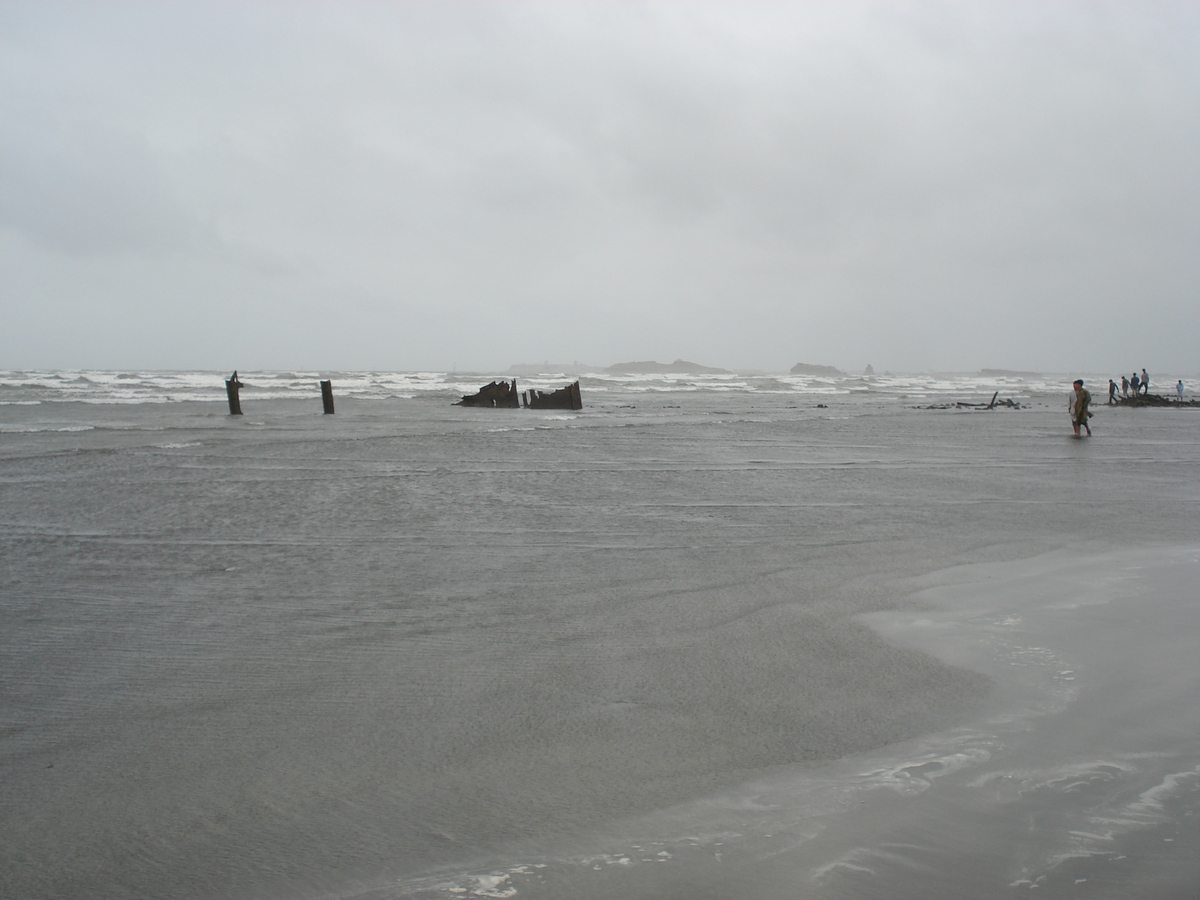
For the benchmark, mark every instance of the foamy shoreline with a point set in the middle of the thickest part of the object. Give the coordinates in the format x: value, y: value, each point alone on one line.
x: 1096, y: 716
x: 1079, y: 778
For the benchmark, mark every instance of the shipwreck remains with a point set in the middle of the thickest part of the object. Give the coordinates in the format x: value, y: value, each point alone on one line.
x: 497, y: 395
x: 504, y: 395
x: 564, y: 398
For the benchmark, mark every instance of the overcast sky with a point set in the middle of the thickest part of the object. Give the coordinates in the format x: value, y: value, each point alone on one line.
x: 405, y: 185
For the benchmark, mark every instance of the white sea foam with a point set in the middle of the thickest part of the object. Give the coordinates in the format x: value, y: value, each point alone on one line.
x: 38, y: 429
x: 102, y: 386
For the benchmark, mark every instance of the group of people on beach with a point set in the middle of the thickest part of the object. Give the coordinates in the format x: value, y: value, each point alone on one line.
x: 1140, y: 386
x: 1081, y: 398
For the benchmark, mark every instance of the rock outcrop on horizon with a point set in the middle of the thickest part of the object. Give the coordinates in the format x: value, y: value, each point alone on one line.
x: 549, y: 368
x: 807, y: 369
x: 679, y: 367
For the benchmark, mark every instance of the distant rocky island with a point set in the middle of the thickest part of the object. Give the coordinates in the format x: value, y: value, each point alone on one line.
x: 549, y: 368
x: 679, y: 367
x: 806, y: 369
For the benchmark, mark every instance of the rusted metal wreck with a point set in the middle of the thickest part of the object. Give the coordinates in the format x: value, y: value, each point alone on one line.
x: 564, y: 398
x: 498, y: 395
x: 504, y: 395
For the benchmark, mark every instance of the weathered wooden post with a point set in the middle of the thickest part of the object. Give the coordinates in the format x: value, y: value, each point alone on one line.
x: 231, y: 391
x: 327, y: 396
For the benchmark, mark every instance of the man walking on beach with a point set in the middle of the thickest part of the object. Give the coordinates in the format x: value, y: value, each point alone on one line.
x: 1079, y: 408
x: 1112, y: 392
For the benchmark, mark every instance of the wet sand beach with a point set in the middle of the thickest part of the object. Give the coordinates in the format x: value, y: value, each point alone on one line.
x: 686, y: 643
x: 1080, y: 777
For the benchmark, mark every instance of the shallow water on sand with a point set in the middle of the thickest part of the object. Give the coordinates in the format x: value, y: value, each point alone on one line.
x: 413, y: 649
x: 1079, y: 777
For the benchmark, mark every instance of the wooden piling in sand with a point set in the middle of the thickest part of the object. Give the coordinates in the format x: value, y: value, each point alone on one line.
x: 231, y: 391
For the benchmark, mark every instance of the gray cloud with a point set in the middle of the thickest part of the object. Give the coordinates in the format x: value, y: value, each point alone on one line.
x: 82, y: 187
x: 922, y: 185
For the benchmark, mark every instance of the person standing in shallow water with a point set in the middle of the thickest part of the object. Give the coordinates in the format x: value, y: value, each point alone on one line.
x: 1112, y: 392
x: 1080, y: 400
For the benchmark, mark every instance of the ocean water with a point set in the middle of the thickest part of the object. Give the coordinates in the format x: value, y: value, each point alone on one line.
x: 710, y: 637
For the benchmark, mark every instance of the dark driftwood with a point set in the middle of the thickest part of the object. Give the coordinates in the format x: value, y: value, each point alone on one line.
x: 231, y: 391
x: 497, y: 395
x: 327, y: 396
x: 993, y: 404
x: 564, y: 398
